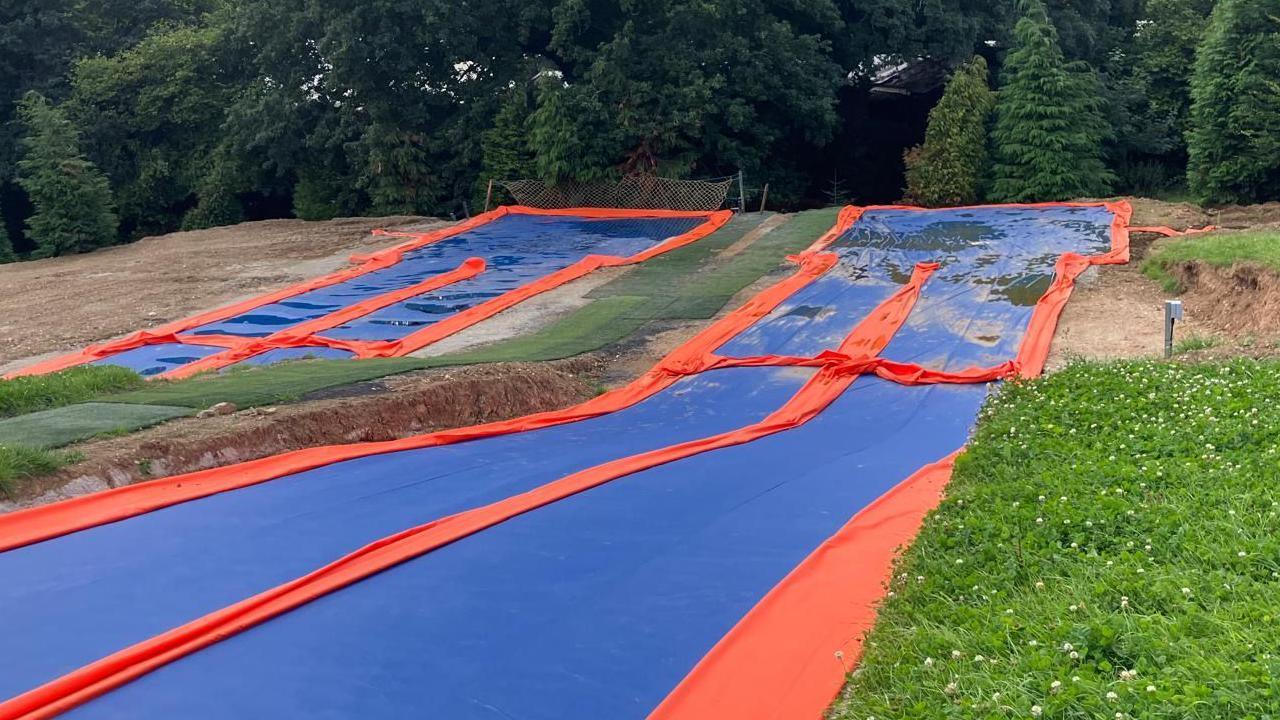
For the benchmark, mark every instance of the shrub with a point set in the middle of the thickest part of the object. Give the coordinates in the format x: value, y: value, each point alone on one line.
x: 948, y: 168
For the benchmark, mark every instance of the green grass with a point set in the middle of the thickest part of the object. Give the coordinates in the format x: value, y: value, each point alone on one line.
x: 1109, y: 548
x: 1192, y: 343
x: 1260, y: 248
x: 19, y: 463
x: 42, y: 392
x: 72, y: 423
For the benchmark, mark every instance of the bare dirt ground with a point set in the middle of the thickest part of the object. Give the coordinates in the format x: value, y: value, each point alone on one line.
x: 61, y: 304
x: 1117, y: 312
x: 397, y: 407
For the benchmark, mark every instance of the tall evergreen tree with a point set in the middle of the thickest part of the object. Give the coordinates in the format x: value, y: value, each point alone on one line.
x: 948, y: 169
x: 1049, y: 130
x: 72, y: 200
x: 1234, y: 139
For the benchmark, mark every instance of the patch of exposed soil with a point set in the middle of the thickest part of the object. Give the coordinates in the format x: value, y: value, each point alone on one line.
x: 61, y: 304
x: 1236, y: 301
x: 1117, y: 312
x: 416, y: 403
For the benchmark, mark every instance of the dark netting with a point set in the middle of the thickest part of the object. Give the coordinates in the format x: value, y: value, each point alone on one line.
x: 636, y: 192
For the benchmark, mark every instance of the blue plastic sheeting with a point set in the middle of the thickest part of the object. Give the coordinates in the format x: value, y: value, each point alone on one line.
x: 155, y: 359
x: 996, y: 262
x: 70, y: 600
x: 517, y: 248
x: 593, y: 607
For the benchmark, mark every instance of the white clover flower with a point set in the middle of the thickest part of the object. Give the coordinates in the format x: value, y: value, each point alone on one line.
x: 928, y: 662
x: 956, y: 654
x: 1112, y: 696
x: 1036, y: 711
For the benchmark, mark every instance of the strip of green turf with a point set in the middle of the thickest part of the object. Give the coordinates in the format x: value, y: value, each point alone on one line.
x: 1260, y: 248
x: 41, y: 392
x: 72, y: 423
x: 1109, y: 548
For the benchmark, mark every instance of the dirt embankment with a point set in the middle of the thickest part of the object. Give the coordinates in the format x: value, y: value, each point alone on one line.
x: 61, y: 304
x: 1118, y: 312
x: 392, y: 408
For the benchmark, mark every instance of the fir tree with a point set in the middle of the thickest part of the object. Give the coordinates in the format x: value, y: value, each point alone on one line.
x: 1049, y: 130
x: 948, y: 169
x: 1234, y: 139
x: 72, y: 200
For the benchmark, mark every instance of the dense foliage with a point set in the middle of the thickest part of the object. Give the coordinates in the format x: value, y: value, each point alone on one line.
x: 1049, y: 126
x: 948, y: 169
x: 1107, y: 549
x: 205, y: 112
x: 1234, y: 141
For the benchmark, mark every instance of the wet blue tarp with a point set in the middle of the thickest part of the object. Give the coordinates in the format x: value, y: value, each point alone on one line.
x: 594, y: 606
x: 516, y: 248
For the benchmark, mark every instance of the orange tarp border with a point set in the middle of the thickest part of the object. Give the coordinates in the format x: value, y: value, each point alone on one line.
x: 789, y: 656
x: 778, y: 612
x: 240, y: 348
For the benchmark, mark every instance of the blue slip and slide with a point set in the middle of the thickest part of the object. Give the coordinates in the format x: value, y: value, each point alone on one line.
x: 596, y: 605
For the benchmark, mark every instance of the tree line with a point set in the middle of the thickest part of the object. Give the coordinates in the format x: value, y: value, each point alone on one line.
x: 126, y: 118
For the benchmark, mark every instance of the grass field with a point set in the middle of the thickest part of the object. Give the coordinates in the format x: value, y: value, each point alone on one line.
x: 42, y: 392
x: 1260, y: 248
x: 1109, y: 548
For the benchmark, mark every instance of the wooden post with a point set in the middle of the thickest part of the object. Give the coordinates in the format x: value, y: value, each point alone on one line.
x: 488, y: 195
x: 764, y: 196
x: 742, y: 194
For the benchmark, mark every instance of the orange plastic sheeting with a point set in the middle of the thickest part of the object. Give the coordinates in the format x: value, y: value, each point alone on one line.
x: 172, y: 332
x: 32, y: 525
x: 1167, y: 231
x: 100, y: 677
x: 169, y: 332
x: 301, y: 335
x: 789, y: 655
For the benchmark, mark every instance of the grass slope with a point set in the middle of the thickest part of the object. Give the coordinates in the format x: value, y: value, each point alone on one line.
x: 1109, y: 548
x: 1260, y: 248
x: 42, y: 392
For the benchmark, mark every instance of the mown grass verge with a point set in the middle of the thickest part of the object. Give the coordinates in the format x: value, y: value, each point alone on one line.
x: 1109, y: 548
x: 42, y: 392
x: 18, y: 463
x: 1260, y: 248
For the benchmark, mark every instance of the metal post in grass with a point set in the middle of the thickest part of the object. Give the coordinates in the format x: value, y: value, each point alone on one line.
x: 488, y: 195
x: 1172, y: 314
x: 742, y: 194
x: 764, y: 196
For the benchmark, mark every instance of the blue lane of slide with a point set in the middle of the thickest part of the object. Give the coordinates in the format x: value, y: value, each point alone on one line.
x: 995, y: 264
x: 70, y: 600
x: 593, y: 607
x: 151, y: 360
x: 517, y: 248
